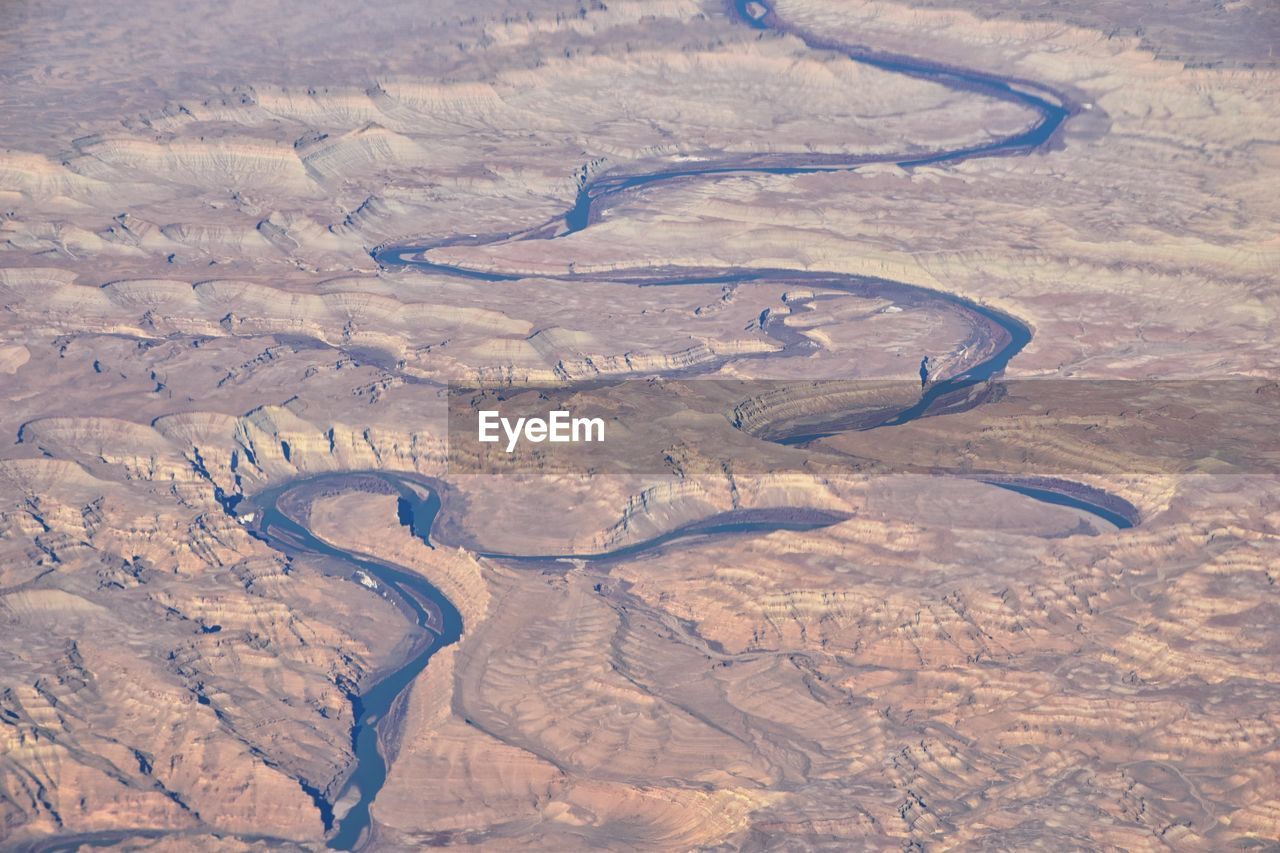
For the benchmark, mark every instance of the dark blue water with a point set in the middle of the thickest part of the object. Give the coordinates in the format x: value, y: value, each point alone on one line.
x: 738, y: 522
x: 1052, y: 116
x: 1052, y: 112
x: 371, y: 770
x: 414, y: 592
x: 418, y: 514
x: 578, y: 217
x: 938, y: 394
x: 394, y: 256
x: 1050, y: 496
x: 410, y: 589
x: 290, y: 537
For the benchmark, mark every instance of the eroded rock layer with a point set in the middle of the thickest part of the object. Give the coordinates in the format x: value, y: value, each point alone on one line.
x: 191, y: 315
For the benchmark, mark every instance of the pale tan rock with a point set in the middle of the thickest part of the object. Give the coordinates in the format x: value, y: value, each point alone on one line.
x: 189, y: 313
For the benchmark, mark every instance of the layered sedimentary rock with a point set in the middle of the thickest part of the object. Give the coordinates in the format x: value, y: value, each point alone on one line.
x: 191, y: 314
x: 172, y: 670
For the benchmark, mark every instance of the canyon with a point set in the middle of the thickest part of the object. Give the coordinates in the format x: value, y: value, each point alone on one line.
x: 804, y: 608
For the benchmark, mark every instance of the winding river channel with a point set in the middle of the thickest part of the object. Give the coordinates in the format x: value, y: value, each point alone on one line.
x: 436, y: 616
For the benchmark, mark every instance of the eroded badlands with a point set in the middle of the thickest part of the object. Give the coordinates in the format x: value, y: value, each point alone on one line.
x: 190, y: 314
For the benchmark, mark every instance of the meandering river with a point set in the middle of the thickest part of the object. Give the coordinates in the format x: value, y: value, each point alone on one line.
x: 439, y: 620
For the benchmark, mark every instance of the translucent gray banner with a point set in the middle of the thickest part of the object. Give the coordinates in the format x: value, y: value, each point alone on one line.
x: 1020, y: 428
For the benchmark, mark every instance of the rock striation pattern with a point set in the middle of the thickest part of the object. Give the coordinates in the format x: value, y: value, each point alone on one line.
x: 191, y: 315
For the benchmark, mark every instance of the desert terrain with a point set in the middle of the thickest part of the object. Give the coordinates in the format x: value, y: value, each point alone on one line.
x: 259, y: 589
